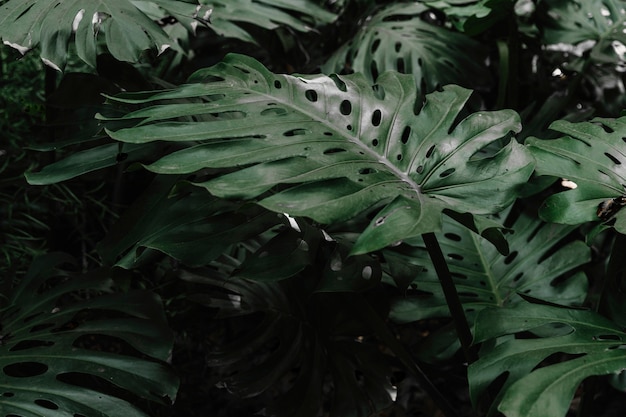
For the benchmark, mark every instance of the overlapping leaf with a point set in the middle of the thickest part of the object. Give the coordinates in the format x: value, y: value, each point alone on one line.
x: 597, y: 24
x: 473, y: 16
x: 398, y: 39
x: 336, y: 144
x: 50, y: 365
x: 192, y: 227
x: 592, y: 155
x: 596, y: 346
x: 229, y: 14
x: 25, y: 24
x: 484, y: 278
x: 298, y: 342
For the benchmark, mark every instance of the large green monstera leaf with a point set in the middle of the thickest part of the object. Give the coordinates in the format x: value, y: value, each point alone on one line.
x: 336, y: 146
x: 128, y: 31
x: 592, y: 156
x: 597, y: 25
x: 484, y: 278
x: 65, y: 350
x: 398, y: 38
x: 582, y: 343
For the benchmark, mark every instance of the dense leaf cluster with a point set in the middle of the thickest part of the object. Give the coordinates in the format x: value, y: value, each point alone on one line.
x: 342, y: 208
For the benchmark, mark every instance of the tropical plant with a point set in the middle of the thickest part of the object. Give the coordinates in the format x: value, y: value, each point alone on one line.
x: 323, y: 203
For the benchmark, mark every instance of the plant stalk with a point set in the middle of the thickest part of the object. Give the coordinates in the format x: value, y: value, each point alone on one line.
x: 386, y: 336
x: 452, y: 296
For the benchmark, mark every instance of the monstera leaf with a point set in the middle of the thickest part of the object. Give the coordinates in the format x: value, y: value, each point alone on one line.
x: 473, y: 16
x: 397, y: 38
x: 66, y: 350
x: 188, y: 225
x: 228, y: 16
x: 592, y: 156
x: 127, y: 31
x: 596, y: 24
x: 298, y: 342
x: 336, y: 146
x: 484, y: 278
x: 587, y: 344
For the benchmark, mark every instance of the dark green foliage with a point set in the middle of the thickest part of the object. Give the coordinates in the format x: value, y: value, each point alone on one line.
x: 348, y: 208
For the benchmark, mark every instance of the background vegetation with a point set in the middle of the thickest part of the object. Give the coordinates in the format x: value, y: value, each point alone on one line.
x: 312, y: 208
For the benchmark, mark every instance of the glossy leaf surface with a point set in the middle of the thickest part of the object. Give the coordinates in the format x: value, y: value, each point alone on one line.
x: 337, y: 145
x: 484, y: 278
x: 592, y: 155
x: 399, y: 38
x: 60, y: 353
x: 127, y: 31
x: 594, y: 344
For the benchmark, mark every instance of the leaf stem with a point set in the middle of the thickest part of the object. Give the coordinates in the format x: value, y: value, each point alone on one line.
x: 452, y: 296
x: 381, y: 329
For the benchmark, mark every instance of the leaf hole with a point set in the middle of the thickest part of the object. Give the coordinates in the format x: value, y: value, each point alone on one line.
x: 609, y: 337
x: 399, y: 157
x: 311, y: 95
x: 458, y: 275
x: 510, y: 257
x: 606, y: 128
x: 374, y: 69
x: 8, y: 394
x: 374, y: 142
x: 277, y: 84
x: 295, y: 132
x: 366, y: 171
x: 406, y: 133
x: 375, y: 45
x: 345, y: 107
x: 452, y: 236
x: 430, y: 151
x: 29, y: 344
x: 334, y: 151
x: 447, y: 172
x: 419, y: 169
x: 379, y: 91
x: 25, y: 369
x: 245, y: 71
x: 274, y: 111
x: 612, y: 158
x: 349, y: 127
x: 339, y: 82
x: 397, y: 46
x: 376, y: 117
x: 400, y: 65
x: 518, y: 277
x: 328, y: 133
x: 47, y: 404
x: 455, y: 256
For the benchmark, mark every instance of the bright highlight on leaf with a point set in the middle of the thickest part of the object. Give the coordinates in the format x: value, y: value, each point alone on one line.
x: 127, y: 31
x: 592, y: 156
x: 337, y: 146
